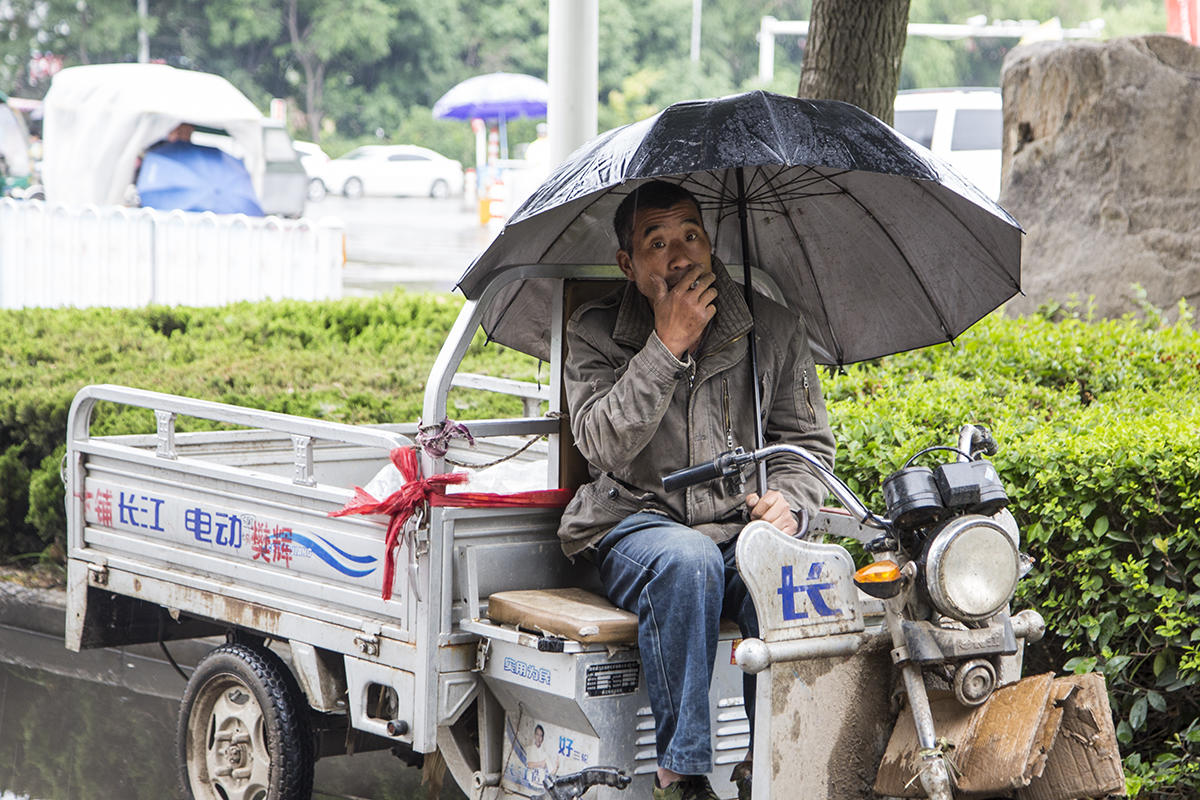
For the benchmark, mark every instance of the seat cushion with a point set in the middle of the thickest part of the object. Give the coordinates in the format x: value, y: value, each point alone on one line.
x: 575, y: 614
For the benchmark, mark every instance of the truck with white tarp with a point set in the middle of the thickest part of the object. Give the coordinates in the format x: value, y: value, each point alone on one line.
x: 100, y: 119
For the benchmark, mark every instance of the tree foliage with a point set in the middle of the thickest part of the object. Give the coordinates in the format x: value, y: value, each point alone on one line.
x: 360, y: 68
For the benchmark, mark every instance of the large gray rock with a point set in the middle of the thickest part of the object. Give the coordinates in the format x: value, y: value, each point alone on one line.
x: 1102, y: 169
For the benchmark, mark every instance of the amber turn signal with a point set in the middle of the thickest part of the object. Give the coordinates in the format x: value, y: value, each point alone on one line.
x: 881, y: 579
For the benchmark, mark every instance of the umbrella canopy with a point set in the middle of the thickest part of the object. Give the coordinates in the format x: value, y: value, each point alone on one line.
x: 877, y: 243
x: 190, y: 177
x: 498, y: 95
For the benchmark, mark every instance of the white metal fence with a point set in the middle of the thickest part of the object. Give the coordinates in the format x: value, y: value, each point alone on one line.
x: 58, y: 255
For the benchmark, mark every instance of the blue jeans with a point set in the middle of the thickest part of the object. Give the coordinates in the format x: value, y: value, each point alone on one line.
x: 679, y: 583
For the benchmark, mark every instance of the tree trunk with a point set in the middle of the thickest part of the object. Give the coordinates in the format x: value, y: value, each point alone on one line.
x: 853, y: 53
x: 314, y: 71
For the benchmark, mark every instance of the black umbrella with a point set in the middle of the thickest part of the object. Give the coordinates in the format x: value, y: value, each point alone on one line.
x: 879, y: 245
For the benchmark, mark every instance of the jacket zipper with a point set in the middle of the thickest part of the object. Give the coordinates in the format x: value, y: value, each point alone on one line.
x: 687, y: 493
x: 812, y: 412
x: 728, y: 419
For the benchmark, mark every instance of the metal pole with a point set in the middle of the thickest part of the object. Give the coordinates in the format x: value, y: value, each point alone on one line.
x: 574, y: 75
x: 766, y: 50
x: 143, y: 38
x: 697, y: 10
x: 747, y: 286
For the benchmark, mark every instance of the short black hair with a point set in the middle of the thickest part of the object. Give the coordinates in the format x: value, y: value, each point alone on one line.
x: 655, y: 194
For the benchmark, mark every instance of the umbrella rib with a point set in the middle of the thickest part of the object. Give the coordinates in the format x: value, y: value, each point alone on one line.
x: 702, y: 195
x: 764, y: 196
x: 992, y: 262
x: 924, y: 289
x: 596, y: 198
x: 837, y: 345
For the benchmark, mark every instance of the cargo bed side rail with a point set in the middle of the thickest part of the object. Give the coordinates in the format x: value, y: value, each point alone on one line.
x: 167, y: 407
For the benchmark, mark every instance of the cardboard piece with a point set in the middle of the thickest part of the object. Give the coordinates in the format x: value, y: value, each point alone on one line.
x: 571, y: 613
x: 1085, y: 753
x: 1042, y: 737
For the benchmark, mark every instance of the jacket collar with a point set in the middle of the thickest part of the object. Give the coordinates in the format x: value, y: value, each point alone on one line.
x: 635, y: 317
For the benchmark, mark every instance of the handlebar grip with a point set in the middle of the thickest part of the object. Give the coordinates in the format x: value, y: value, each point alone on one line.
x: 690, y: 476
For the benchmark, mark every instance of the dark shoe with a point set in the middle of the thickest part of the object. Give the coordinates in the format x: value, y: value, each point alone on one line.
x: 742, y: 775
x: 689, y: 787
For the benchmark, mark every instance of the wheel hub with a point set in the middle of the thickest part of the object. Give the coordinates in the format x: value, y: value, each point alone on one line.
x: 235, y: 755
x: 226, y: 729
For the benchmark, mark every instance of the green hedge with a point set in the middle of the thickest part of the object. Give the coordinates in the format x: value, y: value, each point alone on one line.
x: 1099, y: 433
x: 356, y: 360
x: 1098, y: 424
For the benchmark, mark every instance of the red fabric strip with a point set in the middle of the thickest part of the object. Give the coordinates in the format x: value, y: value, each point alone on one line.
x: 416, y: 491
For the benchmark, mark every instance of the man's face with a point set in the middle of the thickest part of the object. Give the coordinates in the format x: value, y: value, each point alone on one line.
x: 666, y: 243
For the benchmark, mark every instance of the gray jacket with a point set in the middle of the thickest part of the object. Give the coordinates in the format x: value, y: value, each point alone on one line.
x: 637, y: 412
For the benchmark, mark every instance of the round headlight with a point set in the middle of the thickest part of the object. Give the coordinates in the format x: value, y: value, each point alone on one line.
x: 971, y: 568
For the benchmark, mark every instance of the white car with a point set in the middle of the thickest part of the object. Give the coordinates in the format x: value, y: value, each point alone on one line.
x: 313, y: 159
x: 963, y: 126
x: 391, y: 170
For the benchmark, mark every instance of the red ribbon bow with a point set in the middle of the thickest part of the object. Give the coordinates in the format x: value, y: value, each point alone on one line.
x: 400, y: 504
x: 416, y: 491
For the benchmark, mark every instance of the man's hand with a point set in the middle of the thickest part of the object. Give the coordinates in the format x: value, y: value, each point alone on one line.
x: 682, y: 312
x: 773, y: 508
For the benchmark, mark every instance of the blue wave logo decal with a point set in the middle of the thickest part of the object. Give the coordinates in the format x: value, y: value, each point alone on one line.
x: 323, y: 553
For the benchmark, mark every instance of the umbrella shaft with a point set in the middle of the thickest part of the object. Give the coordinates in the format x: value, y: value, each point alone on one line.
x: 748, y: 287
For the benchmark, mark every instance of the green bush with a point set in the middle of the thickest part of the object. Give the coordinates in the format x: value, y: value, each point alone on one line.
x: 1098, y: 427
x: 359, y: 360
x: 1097, y: 424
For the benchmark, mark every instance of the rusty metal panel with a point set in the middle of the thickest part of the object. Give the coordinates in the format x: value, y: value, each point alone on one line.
x: 259, y: 535
x: 827, y: 725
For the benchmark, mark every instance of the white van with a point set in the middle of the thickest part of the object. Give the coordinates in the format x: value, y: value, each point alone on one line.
x: 963, y: 126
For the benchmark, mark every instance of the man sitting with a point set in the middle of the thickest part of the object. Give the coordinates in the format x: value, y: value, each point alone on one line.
x: 658, y: 378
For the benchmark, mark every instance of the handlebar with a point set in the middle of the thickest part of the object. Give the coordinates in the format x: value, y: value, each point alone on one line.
x: 722, y: 466
x: 974, y: 439
x: 732, y: 461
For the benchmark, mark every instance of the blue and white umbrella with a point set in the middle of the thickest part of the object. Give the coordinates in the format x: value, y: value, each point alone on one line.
x: 191, y: 177
x: 499, y: 96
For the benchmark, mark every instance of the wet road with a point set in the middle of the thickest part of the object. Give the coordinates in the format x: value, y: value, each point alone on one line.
x: 419, y: 243
x: 100, y: 725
